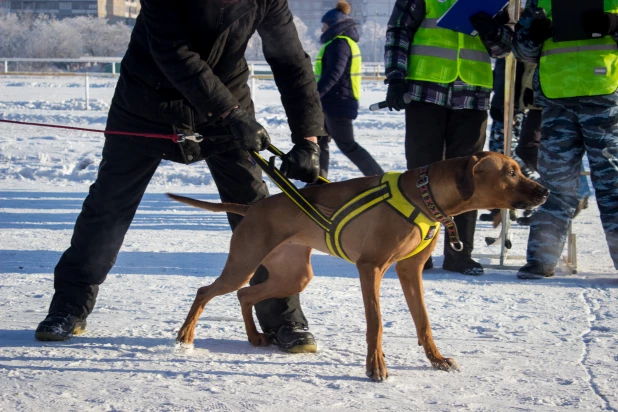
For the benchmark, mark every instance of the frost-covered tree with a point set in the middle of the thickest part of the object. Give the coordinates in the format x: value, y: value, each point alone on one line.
x: 373, y: 37
x: 101, y: 39
x: 309, y: 42
x: 13, y: 36
x: 53, y: 38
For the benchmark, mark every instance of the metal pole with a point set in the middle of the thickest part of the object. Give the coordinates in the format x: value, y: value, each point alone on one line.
x: 87, y: 92
x: 375, y: 37
x: 113, y: 69
x: 6, y: 66
x: 509, y: 108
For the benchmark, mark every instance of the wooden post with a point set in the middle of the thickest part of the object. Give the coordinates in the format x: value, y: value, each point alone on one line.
x: 509, y: 107
x: 87, y: 81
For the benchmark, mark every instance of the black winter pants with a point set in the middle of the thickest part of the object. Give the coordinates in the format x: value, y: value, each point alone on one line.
x: 341, y: 131
x: 110, y: 207
x: 435, y: 133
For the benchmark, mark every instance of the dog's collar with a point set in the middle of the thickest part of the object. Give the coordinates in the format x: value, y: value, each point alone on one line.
x: 423, y: 184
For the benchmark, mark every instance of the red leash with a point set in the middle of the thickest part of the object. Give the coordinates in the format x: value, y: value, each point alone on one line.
x: 173, y: 137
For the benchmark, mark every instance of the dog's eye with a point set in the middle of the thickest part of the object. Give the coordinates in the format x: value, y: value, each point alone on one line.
x: 512, y: 173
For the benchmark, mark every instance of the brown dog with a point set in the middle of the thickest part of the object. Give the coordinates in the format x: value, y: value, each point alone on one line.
x: 277, y: 234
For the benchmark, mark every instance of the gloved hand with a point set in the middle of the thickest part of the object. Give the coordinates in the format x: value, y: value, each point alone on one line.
x: 246, y: 130
x: 600, y: 22
x: 540, y: 30
x: 485, y: 25
x: 302, y: 162
x: 394, y: 94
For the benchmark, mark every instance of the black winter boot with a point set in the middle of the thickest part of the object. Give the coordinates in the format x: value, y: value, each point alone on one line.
x: 294, y: 338
x: 60, y: 326
x: 534, y: 271
x: 464, y: 265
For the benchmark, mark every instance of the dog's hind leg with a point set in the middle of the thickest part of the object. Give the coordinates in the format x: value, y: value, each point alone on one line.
x: 371, y: 277
x: 247, y: 250
x: 289, y: 268
x: 409, y: 272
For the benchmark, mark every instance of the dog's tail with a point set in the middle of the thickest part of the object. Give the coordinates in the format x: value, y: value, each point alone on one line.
x: 213, y: 207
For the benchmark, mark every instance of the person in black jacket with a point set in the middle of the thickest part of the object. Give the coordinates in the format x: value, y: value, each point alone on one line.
x: 339, y: 103
x: 184, y: 72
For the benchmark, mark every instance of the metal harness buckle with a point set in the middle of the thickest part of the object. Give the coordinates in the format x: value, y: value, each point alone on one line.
x: 422, y: 181
x: 457, y: 245
x: 195, y: 137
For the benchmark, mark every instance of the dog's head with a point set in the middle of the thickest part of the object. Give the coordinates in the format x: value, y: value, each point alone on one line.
x: 494, y: 181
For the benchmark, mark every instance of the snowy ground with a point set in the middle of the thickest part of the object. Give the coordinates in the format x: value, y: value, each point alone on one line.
x: 539, y: 346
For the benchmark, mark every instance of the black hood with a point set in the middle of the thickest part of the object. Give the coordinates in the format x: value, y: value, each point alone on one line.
x: 346, y: 27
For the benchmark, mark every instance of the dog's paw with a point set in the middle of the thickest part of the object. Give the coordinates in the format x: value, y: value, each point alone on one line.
x: 259, y: 340
x: 447, y: 364
x: 376, y: 368
x: 185, y: 337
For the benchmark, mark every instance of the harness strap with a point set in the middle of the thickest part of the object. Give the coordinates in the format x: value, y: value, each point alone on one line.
x: 451, y: 228
x: 351, y: 210
x: 291, y: 191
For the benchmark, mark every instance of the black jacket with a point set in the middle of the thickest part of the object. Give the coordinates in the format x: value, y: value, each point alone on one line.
x: 335, y: 85
x: 185, y: 66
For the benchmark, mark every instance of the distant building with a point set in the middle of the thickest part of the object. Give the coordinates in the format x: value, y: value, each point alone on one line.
x: 5, y: 6
x: 113, y: 10
x: 311, y: 11
x: 378, y: 10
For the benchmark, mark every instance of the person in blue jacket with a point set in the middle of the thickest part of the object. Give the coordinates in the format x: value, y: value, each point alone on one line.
x: 336, y: 76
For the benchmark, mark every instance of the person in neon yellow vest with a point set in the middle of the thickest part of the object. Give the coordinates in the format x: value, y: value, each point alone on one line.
x: 338, y: 73
x: 575, y: 84
x: 448, y: 77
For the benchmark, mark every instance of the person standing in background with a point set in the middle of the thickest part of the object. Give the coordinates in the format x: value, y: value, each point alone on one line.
x: 576, y: 84
x: 338, y: 73
x: 448, y: 75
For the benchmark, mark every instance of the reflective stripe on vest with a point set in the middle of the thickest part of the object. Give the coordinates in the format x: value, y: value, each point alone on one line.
x: 580, y: 67
x: 355, y: 67
x: 441, y: 56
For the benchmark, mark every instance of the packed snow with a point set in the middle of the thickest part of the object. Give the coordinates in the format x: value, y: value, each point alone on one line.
x: 521, y: 345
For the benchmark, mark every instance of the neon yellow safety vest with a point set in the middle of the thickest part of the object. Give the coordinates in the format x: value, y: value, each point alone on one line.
x: 580, y: 67
x: 355, y: 68
x: 441, y: 55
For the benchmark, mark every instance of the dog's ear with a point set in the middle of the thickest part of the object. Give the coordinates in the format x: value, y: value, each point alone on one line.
x: 465, y: 182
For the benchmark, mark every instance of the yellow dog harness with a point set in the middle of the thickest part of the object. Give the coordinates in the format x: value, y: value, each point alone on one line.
x: 388, y: 191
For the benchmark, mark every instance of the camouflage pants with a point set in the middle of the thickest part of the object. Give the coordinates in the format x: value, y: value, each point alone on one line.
x: 496, y: 136
x: 570, y: 128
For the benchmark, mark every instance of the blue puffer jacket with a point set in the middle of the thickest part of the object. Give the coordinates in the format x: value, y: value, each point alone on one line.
x: 335, y: 85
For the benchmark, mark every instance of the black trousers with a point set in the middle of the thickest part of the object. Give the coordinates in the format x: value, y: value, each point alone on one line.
x: 110, y: 207
x: 341, y: 131
x: 435, y: 133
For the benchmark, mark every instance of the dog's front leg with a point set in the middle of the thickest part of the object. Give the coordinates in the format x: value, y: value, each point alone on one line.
x: 371, y: 277
x: 409, y: 272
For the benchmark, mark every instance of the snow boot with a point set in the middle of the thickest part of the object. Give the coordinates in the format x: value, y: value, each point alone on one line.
x: 465, y: 266
x: 293, y: 338
x: 534, y: 271
x: 60, y: 326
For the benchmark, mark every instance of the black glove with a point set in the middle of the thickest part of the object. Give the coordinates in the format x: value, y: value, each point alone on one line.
x: 600, y: 22
x: 302, y: 162
x: 485, y: 25
x: 246, y: 130
x: 394, y: 95
x: 541, y: 30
